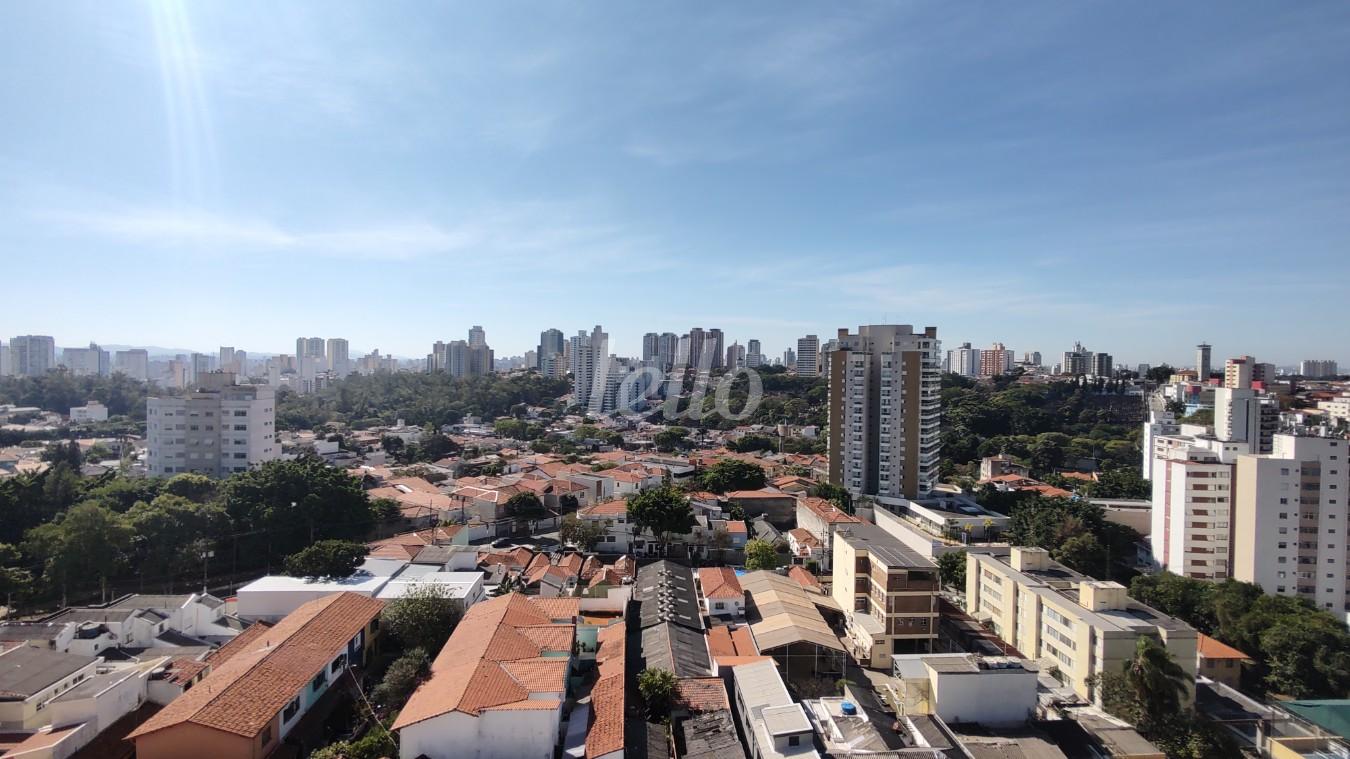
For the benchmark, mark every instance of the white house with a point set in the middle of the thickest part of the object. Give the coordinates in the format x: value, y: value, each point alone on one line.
x: 497, y: 688
x: 92, y: 411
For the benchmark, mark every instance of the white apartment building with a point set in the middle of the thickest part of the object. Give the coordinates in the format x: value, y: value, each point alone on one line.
x: 219, y: 429
x: 1159, y: 423
x: 32, y: 355
x: 884, y: 410
x: 1338, y: 409
x: 1289, y: 517
x: 92, y: 411
x: 87, y: 362
x: 1243, y: 415
x: 1075, y: 626
x: 808, y: 356
x: 1192, y: 506
x: 964, y: 361
x: 1318, y: 369
x: 589, y: 373
x: 339, y: 356
x: 135, y: 363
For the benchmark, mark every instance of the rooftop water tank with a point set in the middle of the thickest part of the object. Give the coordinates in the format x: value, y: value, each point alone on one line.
x: 848, y: 709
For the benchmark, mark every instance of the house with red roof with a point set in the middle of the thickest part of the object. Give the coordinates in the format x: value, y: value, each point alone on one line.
x: 498, y: 687
x: 720, y: 592
x: 263, y: 682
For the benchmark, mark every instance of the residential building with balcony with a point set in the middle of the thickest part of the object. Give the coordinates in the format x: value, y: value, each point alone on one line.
x: 1289, y: 520
x: 218, y: 429
x: 884, y: 411
x: 888, y: 593
x: 1075, y: 626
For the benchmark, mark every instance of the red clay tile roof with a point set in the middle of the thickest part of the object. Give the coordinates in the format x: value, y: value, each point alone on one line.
x: 244, y: 694
x: 720, y: 582
x: 725, y: 641
x: 239, y: 643
x: 492, y: 662
x: 1210, y: 648
x: 606, y: 576
x: 605, y: 734
x: 626, y: 566
x: 742, y: 495
x: 182, y: 669
x: 827, y: 511
x: 702, y: 694
x: 406, y: 545
x: 804, y: 578
x: 559, y: 609
x: 736, y: 526
x: 606, y: 509
x: 804, y: 537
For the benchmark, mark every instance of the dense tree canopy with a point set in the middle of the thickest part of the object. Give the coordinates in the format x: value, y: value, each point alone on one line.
x: 60, y: 391
x: 733, y: 474
x: 1299, y: 650
x: 663, y: 510
x: 293, y: 503
x: 1048, y: 425
x: 415, y: 397
x: 422, y: 618
x: 326, y: 558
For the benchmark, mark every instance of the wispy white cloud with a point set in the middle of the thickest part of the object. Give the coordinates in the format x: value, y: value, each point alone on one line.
x: 534, y: 233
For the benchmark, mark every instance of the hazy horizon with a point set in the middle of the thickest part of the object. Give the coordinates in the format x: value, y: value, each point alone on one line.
x: 1138, y: 178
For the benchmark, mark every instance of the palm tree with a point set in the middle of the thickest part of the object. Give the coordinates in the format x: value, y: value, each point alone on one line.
x: 1155, y: 680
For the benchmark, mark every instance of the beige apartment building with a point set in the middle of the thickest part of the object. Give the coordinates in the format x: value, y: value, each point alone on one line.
x: 889, y: 594
x: 1075, y: 626
x: 884, y: 410
x: 1289, y: 520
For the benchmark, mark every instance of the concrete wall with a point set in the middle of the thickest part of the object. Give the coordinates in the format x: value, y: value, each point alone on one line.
x: 523, y: 734
x: 992, y: 697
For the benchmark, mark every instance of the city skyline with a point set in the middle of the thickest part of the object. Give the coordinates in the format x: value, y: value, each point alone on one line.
x: 1034, y: 177
x: 1049, y: 358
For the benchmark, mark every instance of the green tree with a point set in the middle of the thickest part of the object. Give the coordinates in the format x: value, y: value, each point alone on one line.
x: 89, y: 541
x: 291, y: 504
x: 671, y: 438
x: 64, y: 452
x: 422, y: 618
x: 15, y: 582
x: 1124, y: 482
x: 194, y: 487
x: 733, y: 474
x: 1153, y: 677
x: 657, y: 688
x: 664, y: 511
x: 952, y: 569
x: 1084, y: 554
x: 526, y: 509
x: 401, y: 679
x: 167, y: 532
x: 836, y: 494
x: 584, y: 535
x: 1203, y: 416
x: 326, y: 558
x: 760, y: 554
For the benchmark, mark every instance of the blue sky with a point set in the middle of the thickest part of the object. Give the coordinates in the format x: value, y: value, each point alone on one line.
x: 1136, y: 176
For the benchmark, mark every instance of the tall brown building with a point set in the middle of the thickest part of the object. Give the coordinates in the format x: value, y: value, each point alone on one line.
x: 884, y: 410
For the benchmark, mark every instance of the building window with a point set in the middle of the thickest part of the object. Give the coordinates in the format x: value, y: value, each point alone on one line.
x: 794, y: 740
x: 292, y: 709
x: 319, y: 681
x: 266, y: 736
